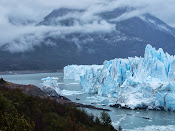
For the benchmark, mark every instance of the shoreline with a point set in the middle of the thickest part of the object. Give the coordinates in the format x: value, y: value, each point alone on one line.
x: 33, y: 90
x: 30, y: 72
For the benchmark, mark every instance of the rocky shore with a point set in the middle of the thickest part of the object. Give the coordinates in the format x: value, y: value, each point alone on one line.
x: 33, y: 90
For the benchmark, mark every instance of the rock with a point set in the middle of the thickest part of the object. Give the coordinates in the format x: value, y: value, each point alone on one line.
x: 51, y: 92
x: 77, y: 99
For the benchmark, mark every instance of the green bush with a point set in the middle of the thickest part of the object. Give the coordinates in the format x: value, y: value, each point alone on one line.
x: 20, y: 112
x: 105, y: 118
x: 2, y: 81
x: 10, y: 119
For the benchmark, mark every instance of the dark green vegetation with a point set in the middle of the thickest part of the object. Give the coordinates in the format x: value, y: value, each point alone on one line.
x: 19, y: 112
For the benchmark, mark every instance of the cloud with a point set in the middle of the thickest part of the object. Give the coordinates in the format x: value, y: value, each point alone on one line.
x: 128, y: 15
x: 20, y: 38
x: 29, y: 36
x: 37, y: 9
x: 160, y: 8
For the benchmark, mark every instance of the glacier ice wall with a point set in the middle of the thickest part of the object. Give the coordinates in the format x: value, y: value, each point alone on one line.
x: 74, y: 72
x: 135, y: 82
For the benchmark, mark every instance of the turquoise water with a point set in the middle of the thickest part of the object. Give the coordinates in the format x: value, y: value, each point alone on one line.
x: 119, y: 116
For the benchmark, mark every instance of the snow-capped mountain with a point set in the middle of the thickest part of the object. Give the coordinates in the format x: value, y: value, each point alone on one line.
x: 91, y: 40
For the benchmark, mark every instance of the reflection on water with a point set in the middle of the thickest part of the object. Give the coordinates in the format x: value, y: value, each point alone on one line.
x: 128, y: 119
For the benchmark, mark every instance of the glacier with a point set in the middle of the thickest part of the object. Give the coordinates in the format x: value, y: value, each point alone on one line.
x: 135, y: 82
x: 74, y: 72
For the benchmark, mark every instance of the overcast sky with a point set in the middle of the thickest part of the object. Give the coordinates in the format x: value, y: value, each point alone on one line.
x: 36, y: 10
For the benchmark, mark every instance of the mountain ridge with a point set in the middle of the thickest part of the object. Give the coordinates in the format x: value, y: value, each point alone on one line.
x: 129, y: 38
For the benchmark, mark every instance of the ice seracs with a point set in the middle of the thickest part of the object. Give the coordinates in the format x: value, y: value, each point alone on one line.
x: 147, y: 82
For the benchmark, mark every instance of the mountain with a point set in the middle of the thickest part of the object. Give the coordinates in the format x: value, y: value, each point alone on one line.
x: 128, y: 38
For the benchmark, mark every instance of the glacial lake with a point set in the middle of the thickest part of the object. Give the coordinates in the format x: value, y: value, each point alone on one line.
x: 127, y: 119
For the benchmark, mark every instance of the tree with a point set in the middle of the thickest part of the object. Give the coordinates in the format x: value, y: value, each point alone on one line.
x: 2, y: 81
x: 105, y: 119
x: 97, y: 121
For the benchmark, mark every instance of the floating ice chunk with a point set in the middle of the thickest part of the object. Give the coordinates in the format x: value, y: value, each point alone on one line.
x: 154, y: 128
x: 75, y: 83
x: 51, y: 82
x: 68, y: 92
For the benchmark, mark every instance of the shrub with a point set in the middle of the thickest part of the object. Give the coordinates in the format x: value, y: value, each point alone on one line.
x: 105, y: 118
x: 2, y: 81
x: 19, y: 111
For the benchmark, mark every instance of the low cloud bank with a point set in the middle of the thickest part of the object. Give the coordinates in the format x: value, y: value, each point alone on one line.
x: 18, y: 19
